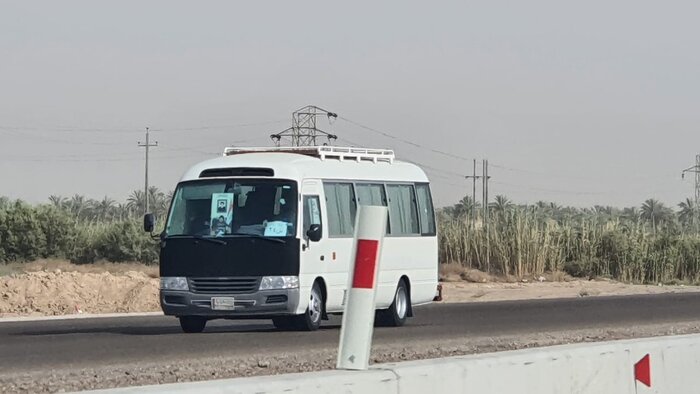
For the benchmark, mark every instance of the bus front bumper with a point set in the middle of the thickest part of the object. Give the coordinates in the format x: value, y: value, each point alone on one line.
x: 263, y: 303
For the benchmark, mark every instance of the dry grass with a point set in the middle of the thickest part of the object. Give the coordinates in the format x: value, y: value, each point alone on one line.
x: 451, y: 272
x: 476, y: 276
x: 455, y: 272
x: 557, y: 276
x: 66, y: 266
x: 527, y: 242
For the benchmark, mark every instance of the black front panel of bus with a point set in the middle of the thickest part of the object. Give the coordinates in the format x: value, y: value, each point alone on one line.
x: 241, y: 256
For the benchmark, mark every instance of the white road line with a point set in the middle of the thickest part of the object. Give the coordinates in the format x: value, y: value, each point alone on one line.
x: 76, y: 316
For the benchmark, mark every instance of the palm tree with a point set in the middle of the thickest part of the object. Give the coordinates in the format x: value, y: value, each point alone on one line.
x: 501, y: 205
x: 136, y: 202
x: 77, y: 204
x: 104, y: 208
x: 169, y: 196
x: 688, y: 214
x: 122, y: 211
x: 631, y: 214
x: 156, y: 201
x: 57, y: 201
x: 654, y: 212
x: 165, y: 203
x: 91, y: 209
x: 568, y: 213
x: 465, y: 206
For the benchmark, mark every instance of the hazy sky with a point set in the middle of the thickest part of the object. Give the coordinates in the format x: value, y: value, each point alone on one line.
x: 581, y: 103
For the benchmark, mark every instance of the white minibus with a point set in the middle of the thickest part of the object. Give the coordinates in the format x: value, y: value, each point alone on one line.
x: 268, y: 233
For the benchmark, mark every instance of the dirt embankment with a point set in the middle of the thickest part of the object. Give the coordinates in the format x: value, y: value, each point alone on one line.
x: 59, y: 292
x: 61, y: 288
x: 489, y: 291
x: 469, y: 285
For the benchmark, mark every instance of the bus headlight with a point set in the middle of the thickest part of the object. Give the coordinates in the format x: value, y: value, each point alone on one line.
x: 279, y: 282
x: 173, y: 283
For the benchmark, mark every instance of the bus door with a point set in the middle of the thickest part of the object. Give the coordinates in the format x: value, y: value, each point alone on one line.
x: 314, y: 255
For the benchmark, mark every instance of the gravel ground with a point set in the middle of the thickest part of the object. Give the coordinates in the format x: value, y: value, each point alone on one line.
x: 66, y: 380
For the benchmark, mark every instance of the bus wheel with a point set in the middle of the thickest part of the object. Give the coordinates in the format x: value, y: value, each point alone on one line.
x: 397, y: 313
x: 192, y: 324
x: 311, y: 320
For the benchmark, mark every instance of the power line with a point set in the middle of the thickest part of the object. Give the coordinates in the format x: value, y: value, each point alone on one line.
x: 538, y: 189
x: 455, y: 185
x: 229, y: 126
x: 71, y: 129
x: 405, y: 141
x: 461, y: 176
x: 43, y: 138
x: 447, y: 172
x: 455, y: 156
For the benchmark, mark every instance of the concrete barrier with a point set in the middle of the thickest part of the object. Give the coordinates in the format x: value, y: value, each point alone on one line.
x: 370, y: 381
x: 653, y: 365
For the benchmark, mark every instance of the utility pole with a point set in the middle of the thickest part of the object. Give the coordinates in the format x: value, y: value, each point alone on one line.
x: 485, y: 177
x: 304, y: 131
x: 473, y: 177
x: 695, y: 169
x: 147, y: 145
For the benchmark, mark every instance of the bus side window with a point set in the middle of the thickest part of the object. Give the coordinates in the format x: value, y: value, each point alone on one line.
x: 425, y: 209
x: 340, y: 207
x: 403, y: 213
x: 312, y: 212
x: 372, y: 194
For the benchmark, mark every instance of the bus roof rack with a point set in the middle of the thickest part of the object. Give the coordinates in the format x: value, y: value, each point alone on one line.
x: 323, y: 152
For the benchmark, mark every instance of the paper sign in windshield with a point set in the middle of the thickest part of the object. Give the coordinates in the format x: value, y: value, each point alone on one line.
x: 221, y: 213
x: 276, y: 229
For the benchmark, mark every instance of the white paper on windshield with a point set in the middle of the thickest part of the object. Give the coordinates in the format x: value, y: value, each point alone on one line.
x: 276, y: 229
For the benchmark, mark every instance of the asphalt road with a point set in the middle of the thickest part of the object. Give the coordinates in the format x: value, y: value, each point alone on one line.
x: 26, y: 346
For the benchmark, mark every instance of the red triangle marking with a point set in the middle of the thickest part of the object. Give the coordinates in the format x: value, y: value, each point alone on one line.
x: 642, y: 371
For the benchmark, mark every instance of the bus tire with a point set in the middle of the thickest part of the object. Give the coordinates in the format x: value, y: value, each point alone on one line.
x: 397, y: 313
x: 192, y: 324
x: 311, y: 319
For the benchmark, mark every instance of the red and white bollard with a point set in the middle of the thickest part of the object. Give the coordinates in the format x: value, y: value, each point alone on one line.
x: 358, y: 317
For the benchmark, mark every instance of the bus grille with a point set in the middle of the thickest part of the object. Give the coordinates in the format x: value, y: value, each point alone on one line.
x: 241, y: 285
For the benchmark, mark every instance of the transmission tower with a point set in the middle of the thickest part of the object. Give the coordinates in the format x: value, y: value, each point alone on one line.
x: 304, y: 130
x: 696, y: 170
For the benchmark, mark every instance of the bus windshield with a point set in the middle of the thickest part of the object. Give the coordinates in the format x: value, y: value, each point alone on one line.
x: 217, y: 208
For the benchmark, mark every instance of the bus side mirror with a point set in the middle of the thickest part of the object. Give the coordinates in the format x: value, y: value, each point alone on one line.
x: 149, y: 222
x: 314, y: 233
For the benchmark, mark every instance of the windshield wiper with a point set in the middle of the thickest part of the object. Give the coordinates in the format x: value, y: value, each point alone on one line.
x: 260, y: 237
x: 214, y: 240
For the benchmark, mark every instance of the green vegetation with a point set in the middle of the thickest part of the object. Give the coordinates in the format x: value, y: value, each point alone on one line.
x: 79, y: 229
x: 649, y: 244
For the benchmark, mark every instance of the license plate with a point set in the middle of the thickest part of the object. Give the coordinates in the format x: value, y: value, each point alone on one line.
x: 222, y: 303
